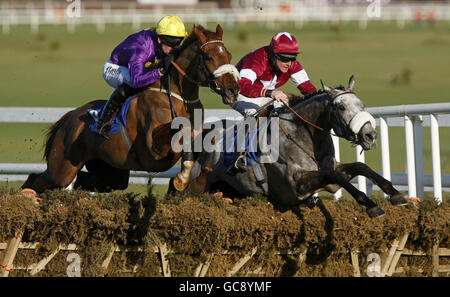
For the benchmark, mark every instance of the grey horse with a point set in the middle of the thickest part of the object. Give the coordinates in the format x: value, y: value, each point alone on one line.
x: 306, y: 161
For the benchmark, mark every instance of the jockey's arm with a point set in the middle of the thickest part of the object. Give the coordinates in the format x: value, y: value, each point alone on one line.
x: 306, y: 88
x: 249, y: 89
x: 301, y: 79
x: 139, y: 77
x: 251, y: 70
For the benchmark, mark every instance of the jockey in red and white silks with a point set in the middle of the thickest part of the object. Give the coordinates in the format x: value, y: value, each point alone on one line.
x: 268, y: 68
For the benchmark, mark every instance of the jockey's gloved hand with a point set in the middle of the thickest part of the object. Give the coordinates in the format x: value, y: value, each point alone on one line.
x: 167, y: 61
x: 280, y: 96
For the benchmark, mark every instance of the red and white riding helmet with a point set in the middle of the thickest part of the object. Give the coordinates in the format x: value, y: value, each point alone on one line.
x: 284, y: 43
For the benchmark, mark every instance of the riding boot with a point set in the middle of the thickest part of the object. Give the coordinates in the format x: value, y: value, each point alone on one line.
x: 239, y: 161
x: 114, y: 104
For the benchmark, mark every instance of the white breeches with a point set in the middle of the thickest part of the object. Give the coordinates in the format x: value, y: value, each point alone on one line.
x: 248, y: 106
x: 115, y: 75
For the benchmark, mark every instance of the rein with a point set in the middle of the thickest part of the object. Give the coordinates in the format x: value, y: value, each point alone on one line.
x: 303, y: 119
x: 308, y: 122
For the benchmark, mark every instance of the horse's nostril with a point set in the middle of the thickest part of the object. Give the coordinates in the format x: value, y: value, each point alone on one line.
x: 371, y: 136
x: 232, y: 92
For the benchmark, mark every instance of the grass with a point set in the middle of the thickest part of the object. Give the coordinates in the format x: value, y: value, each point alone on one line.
x: 35, y: 72
x: 392, y: 66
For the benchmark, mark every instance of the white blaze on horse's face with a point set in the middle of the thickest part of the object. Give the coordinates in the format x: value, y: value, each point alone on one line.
x: 226, y: 76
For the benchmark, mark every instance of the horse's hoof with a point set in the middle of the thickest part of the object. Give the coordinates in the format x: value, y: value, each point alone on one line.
x: 178, y: 184
x: 196, y: 187
x: 312, y: 201
x: 375, y: 212
x: 398, y: 200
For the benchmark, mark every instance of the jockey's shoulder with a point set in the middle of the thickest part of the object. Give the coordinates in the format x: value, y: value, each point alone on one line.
x: 254, y: 59
x: 295, y: 67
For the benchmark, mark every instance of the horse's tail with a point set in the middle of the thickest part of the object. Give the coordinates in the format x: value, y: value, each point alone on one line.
x: 51, y: 133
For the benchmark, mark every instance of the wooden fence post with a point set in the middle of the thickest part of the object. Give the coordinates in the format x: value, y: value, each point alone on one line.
x: 202, y: 268
x: 355, y: 263
x: 388, y: 260
x: 10, y: 253
x: 242, y: 262
x: 435, y: 257
x: 397, y: 255
x: 164, y: 261
x: 108, y: 258
x: 35, y: 268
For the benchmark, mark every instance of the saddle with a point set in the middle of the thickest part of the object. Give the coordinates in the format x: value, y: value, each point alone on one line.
x: 118, y: 120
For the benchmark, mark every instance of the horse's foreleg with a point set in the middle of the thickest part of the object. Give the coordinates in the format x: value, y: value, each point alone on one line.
x: 314, y: 180
x: 198, y: 184
x: 38, y: 182
x: 372, y: 209
x: 182, y: 179
x: 56, y: 176
x: 353, y: 169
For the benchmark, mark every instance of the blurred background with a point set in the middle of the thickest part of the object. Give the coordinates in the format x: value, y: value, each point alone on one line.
x: 52, y: 53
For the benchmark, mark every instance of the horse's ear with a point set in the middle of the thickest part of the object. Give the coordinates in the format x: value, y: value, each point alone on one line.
x: 200, y: 36
x: 219, y: 32
x: 351, y: 83
x: 330, y: 91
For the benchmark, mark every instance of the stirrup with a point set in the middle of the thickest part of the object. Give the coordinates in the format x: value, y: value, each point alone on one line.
x: 238, y: 165
x: 240, y: 162
x: 104, y: 131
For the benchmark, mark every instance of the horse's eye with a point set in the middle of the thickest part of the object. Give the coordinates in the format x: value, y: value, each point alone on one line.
x: 208, y: 57
x: 341, y: 107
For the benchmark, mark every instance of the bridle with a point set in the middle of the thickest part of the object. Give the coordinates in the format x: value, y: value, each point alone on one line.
x: 348, y: 125
x: 355, y: 124
x: 210, y: 76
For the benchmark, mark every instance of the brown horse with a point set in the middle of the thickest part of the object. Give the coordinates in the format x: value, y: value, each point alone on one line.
x: 145, y: 144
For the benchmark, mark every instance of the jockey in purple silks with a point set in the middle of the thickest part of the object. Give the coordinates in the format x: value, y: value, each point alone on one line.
x: 133, y: 64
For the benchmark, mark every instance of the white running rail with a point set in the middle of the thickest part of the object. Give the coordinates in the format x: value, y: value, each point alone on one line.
x: 412, y: 117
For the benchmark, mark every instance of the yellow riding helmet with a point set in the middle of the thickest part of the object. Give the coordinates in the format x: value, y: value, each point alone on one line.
x: 172, y: 26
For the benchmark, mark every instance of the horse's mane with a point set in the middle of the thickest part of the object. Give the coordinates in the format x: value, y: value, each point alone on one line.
x: 297, y: 100
x: 191, y: 38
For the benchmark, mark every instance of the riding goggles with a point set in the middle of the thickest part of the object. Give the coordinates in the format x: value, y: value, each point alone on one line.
x: 286, y: 57
x: 171, y: 40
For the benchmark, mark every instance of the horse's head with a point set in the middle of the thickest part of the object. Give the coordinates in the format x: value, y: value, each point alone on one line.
x: 348, y: 118
x: 215, y: 61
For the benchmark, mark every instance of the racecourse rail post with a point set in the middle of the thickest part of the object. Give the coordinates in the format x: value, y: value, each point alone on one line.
x: 385, y: 158
x: 436, y: 157
x: 410, y: 163
x: 337, y: 156
x: 361, y: 179
x: 418, y: 155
